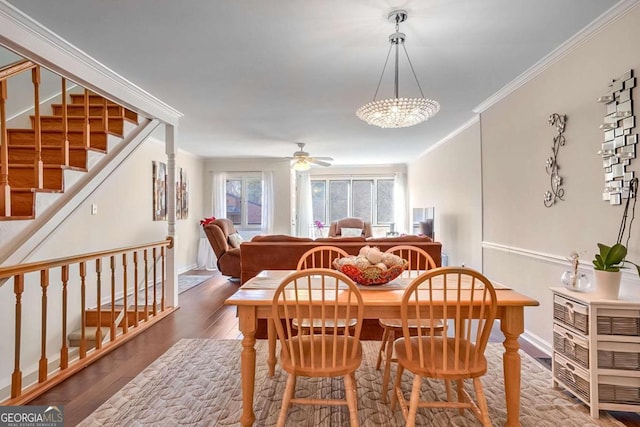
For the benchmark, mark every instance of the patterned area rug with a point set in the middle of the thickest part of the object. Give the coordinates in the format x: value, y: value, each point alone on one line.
x: 197, y: 383
x: 188, y: 281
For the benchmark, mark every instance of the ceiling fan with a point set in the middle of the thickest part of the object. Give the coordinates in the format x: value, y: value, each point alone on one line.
x: 302, y: 160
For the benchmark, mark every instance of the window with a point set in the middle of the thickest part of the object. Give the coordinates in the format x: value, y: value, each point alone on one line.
x: 368, y: 198
x: 244, y: 200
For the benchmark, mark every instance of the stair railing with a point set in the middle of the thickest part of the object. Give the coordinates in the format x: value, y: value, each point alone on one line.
x: 82, y: 275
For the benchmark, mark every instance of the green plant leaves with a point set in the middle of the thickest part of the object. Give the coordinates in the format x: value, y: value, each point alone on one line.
x: 609, y: 257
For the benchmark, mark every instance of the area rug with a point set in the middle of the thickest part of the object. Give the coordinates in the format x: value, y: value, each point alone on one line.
x: 197, y: 383
x: 188, y: 281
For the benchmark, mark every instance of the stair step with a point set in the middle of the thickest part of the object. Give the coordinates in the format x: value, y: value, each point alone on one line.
x: 22, y: 175
x: 75, y: 337
x: 91, y: 316
x: 115, y: 111
x: 116, y: 124
x: 98, y: 139
x: 50, y: 155
x: 78, y: 98
x: 23, y: 203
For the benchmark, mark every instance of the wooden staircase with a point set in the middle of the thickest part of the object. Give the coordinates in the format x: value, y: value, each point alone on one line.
x: 108, y: 326
x: 36, y: 158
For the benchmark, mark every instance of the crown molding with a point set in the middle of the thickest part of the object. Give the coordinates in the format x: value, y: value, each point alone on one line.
x: 613, y: 14
x: 28, y: 38
x: 452, y: 135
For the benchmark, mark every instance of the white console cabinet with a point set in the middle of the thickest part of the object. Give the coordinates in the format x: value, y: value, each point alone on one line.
x: 596, y: 350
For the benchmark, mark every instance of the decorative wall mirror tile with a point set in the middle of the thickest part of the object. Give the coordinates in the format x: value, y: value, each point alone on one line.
x: 619, y: 144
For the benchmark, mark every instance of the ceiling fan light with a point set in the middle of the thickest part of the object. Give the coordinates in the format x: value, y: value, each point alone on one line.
x: 301, y: 165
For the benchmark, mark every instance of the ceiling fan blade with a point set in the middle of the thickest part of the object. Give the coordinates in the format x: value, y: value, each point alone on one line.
x: 324, y: 158
x: 318, y: 162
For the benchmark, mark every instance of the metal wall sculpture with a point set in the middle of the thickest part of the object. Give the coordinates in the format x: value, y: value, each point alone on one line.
x: 556, y: 193
x: 619, y: 146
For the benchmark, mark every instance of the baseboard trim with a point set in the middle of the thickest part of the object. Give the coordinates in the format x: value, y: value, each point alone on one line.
x: 538, y: 343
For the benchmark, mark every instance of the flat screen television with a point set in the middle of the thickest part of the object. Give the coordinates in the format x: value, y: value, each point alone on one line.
x: 423, y: 219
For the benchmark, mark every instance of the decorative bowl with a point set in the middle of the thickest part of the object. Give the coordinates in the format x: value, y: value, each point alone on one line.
x: 371, y: 275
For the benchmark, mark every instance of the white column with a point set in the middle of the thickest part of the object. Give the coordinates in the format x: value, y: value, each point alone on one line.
x: 172, y: 276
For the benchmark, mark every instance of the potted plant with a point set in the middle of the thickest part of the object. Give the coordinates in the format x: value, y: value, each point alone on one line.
x: 610, y: 259
x: 607, y: 265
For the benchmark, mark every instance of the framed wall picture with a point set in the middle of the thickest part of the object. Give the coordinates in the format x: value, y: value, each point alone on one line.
x: 159, y: 191
x: 178, y: 193
x: 184, y: 195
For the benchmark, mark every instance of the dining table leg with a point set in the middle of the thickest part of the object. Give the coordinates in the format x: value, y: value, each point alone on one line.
x: 512, y: 325
x: 248, y: 325
x: 272, y: 337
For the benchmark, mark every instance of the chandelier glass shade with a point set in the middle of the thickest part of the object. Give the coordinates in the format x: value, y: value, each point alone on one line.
x: 397, y: 112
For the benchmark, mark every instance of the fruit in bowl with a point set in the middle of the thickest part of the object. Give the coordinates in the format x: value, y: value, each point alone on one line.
x: 371, y: 266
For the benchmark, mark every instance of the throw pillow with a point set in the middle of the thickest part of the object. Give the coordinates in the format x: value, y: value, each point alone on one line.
x: 351, y: 232
x: 235, y: 240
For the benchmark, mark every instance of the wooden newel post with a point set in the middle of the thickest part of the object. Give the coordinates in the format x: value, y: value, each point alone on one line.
x: 5, y: 189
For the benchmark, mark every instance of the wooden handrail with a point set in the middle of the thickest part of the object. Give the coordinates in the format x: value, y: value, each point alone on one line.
x: 59, y: 262
x: 71, y: 282
x: 16, y: 68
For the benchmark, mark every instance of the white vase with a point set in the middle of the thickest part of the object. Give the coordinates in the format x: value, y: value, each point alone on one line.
x: 607, y: 284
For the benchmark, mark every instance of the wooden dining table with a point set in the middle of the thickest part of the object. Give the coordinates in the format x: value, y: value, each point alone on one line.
x: 254, y: 300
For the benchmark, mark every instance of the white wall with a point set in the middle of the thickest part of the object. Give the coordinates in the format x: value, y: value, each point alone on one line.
x: 516, y: 141
x: 525, y: 243
x: 449, y: 178
x: 281, y: 185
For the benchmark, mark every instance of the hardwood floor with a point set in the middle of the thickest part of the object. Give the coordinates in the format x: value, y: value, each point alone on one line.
x: 202, y: 314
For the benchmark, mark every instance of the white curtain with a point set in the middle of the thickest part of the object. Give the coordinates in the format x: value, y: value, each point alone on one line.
x: 267, y: 202
x: 304, y: 208
x: 400, y: 202
x: 219, y: 195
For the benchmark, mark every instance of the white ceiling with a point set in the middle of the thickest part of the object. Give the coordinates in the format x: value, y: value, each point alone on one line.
x: 253, y: 77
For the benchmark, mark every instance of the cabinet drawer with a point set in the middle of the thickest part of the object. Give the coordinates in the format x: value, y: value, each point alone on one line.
x: 616, y: 355
x: 573, y: 377
x: 573, y: 347
x: 571, y: 313
x: 619, y: 322
x: 621, y: 390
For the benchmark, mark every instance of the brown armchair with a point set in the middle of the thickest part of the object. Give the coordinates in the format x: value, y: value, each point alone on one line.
x: 218, y: 233
x: 335, y: 229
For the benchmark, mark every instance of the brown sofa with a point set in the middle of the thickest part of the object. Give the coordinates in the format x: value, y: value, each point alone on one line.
x: 283, y: 252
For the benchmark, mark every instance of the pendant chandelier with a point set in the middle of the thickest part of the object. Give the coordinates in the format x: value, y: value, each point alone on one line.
x: 397, y: 112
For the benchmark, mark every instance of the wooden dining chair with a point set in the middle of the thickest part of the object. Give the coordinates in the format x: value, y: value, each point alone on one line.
x: 418, y: 261
x: 468, y: 299
x: 317, y: 257
x: 324, y: 296
x: 320, y: 257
